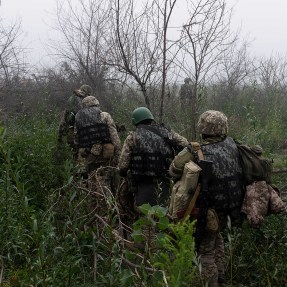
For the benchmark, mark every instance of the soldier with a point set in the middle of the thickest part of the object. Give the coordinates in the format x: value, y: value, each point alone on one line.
x: 66, y: 127
x: 186, y: 91
x: 147, y: 153
x: 225, y: 191
x: 95, y: 136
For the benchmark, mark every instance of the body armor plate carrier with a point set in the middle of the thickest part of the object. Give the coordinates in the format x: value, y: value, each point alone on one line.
x: 225, y: 188
x: 152, y: 154
x: 91, y: 129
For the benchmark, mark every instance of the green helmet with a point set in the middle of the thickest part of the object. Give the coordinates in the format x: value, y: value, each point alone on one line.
x: 213, y: 123
x: 90, y: 101
x: 141, y: 114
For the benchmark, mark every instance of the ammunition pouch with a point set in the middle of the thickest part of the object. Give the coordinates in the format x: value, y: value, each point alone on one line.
x: 212, y: 221
x: 97, y: 149
x: 108, y: 151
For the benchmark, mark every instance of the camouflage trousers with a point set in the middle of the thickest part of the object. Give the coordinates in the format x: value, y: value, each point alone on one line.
x: 212, y: 257
x: 99, y: 188
x: 87, y: 162
x: 99, y: 173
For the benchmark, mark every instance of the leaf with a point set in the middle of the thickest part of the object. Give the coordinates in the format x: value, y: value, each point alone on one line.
x: 145, y: 208
x: 163, y: 223
x: 137, y: 236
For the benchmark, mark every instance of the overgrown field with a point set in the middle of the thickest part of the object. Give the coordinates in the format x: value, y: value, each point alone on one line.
x: 45, y: 239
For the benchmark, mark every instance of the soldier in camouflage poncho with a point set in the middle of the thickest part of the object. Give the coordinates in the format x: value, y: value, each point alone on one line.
x: 225, y: 190
x: 147, y: 153
x: 73, y: 105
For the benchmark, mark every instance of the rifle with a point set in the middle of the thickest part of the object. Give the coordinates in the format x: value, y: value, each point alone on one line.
x: 205, y: 175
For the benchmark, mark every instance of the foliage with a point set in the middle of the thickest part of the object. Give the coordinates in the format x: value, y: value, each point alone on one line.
x: 176, y: 254
x: 43, y: 212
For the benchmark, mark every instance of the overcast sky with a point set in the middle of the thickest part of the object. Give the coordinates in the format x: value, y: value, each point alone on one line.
x: 262, y: 21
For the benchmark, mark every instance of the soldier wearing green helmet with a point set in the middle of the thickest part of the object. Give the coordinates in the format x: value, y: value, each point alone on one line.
x: 146, y: 156
x: 141, y: 114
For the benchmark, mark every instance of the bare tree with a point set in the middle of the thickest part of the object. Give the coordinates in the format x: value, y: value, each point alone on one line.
x: 134, y: 45
x: 166, y: 13
x: 205, y: 38
x: 81, y: 27
x: 271, y: 72
x: 140, y: 49
x: 237, y: 65
x: 12, y: 54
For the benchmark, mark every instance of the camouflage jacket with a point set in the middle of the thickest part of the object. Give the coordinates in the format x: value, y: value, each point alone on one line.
x: 186, y: 91
x: 130, y: 145
x: 260, y: 199
x: 67, y: 120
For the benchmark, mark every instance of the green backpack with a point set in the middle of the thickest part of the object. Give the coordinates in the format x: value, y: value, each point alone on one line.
x: 255, y: 167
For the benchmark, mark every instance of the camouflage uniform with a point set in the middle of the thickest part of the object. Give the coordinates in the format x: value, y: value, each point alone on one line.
x: 260, y: 199
x: 186, y: 92
x: 93, y: 133
x: 99, y: 148
x: 67, y: 121
x: 143, y: 152
x: 225, y: 189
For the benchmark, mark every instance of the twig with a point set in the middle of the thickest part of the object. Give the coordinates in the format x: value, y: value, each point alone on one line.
x: 282, y: 170
x: 2, y: 269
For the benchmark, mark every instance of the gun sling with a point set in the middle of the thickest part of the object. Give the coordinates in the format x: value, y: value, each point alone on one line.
x: 196, y: 147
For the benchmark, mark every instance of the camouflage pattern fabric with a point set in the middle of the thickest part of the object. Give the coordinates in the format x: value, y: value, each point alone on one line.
x: 260, y: 198
x: 129, y: 144
x: 211, y: 245
x: 146, y: 185
x: 152, y: 153
x: 66, y: 126
x: 213, y: 123
x: 225, y: 185
x: 207, y: 255
x: 186, y: 92
x: 88, y: 161
x: 276, y: 204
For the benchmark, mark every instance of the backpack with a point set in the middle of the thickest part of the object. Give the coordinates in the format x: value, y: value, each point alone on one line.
x: 185, y: 189
x: 255, y: 167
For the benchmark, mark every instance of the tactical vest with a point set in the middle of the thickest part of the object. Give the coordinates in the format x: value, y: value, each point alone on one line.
x: 90, y: 127
x: 152, y: 153
x: 225, y: 188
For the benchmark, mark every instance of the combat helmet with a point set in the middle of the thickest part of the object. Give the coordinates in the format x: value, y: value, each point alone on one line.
x: 84, y: 91
x: 141, y: 114
x: 212, y: 123
x: 187, y: 80
x: 90, y: 101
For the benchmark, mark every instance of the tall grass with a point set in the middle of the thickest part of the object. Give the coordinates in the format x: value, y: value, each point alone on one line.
x: 44, y: 239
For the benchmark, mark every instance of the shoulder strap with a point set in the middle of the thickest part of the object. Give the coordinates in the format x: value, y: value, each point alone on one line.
x: 154, y: 130
x: 196, y: 148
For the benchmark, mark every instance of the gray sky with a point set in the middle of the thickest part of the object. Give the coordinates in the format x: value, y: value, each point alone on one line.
x: 262, y: 21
